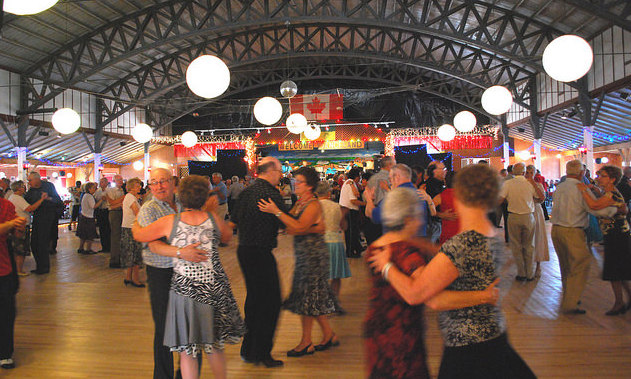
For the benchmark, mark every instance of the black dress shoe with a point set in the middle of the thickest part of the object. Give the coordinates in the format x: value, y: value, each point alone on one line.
x: 326, y: 346
x: 115, y: 265
x: 40, y: 272
x: 576, y: 311
x: 300, y: 353
x: 271, y: 362
x: 615, y: 312
x: 248, y: 360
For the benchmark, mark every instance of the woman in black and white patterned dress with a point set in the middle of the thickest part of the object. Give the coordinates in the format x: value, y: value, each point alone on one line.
x: 202, y: 315
x: 311, y: 295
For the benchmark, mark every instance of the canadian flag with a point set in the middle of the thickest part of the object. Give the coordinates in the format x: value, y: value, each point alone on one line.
x: 318, y: 107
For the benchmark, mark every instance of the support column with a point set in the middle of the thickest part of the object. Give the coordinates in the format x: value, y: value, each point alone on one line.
x: 97, y: 167
x: 147, y: 162
x: 536, y: 145
x: 506, y: 144
x: 588, y: 142
x: 21, y: 153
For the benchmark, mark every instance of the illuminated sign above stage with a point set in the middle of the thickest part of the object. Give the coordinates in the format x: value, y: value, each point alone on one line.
x: 322, y: 145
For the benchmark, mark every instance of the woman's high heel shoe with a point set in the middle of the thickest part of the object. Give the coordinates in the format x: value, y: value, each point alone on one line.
x: 615, y: 312
x: 326, y: 346
x: 300, y: 353
x: 138, y: 285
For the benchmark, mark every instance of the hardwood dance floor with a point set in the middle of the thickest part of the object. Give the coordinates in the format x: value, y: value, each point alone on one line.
x: 80, y: 321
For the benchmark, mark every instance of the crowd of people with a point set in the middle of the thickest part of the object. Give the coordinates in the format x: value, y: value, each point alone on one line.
x: 430, y: 235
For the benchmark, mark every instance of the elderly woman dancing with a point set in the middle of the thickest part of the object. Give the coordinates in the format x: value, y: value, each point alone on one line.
x: 202, y: 314
x: 311, y: 295
x: 394, y: 329
x: 476, y: 344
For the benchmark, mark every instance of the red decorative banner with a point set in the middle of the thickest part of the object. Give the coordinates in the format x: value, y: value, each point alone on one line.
x: 458, y: 143
x: 206, y: 149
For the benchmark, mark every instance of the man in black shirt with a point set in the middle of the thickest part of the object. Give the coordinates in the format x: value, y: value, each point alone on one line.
x: 434, y: 186
x: 257, y: 238
x: 44, y: 219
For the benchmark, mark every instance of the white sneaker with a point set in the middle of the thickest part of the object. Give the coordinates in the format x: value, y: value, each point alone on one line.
x: 7, y: 363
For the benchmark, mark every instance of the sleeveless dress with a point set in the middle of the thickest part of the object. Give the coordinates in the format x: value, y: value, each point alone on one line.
x: 617, y: 265
x: 202, y: 314
x: 311, y: 294
x: 395, y: 330
x: 334, y: 239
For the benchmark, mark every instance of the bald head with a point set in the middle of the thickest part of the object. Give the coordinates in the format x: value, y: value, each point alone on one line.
x: 269, y: 169
x: 162, y: 186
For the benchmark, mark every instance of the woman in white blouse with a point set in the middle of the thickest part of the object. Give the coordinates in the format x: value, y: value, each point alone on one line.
x: 21, y: 245
x: 131, y: 250
x: 86, y: 228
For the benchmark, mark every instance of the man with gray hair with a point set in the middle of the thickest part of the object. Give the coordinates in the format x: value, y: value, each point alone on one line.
x: 520, y: 193
x: 401, y: 177
x: 5, y: 184
x: 220, y: 189
x: 44, y: 220
x: 380, y: 184
x: 569, y: 220
x: 233, y: 193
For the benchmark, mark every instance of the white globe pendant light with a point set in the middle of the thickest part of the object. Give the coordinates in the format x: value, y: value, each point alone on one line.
x: 142, y: 133
x: 189, y: 139
x: 268, y: 110
x: 497, y: 100
x: 446, y: 133
x: 288, y: 89
x: 138, y: 165
x: 312, y: 132
x: 567, y: 58
x: 66, y: 120
x: 25, y: 7
x: 465, y: 121
x: 207, y: 76
x: 296, y: 123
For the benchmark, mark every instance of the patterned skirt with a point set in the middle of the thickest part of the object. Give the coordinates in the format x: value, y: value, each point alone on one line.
x: 201, y: 317
x: 131, y: 250
x: 21, y: 245
x: 311, y: 294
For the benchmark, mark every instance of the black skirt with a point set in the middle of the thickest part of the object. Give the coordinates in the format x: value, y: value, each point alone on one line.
x: 86, y: 229
x: 617, y: 264
x: 492, y: 359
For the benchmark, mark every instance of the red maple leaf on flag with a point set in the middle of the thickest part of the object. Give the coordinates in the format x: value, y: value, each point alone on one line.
x: 316, y: 106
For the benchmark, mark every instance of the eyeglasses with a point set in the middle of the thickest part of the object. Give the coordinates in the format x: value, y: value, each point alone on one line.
x: 162, y: 182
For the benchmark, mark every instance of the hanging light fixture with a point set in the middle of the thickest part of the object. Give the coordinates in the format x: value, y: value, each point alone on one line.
x: 22, y: 7
x: 296, y: 123
x: 524, y: 155
x: 465, y: 121
x: 142, y: 133
x: 268, y: 110
x: 497, y: 100
x: 66, y: 120
x: 138, y: 165
x: 288, y: 89
x: 207, y: 76
x: 189, y: 139
x: 567, y: 58
x: 312, y: 132
x: 446, y: 133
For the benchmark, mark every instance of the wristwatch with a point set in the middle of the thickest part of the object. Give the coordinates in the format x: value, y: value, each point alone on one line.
x: 178, y: 254
x: 278, y: 213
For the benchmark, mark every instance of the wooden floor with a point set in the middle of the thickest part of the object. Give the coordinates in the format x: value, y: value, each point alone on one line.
x: 81, y: 322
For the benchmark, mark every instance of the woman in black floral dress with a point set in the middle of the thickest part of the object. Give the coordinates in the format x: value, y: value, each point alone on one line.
x: 311, y: 295
x: 617, y: 267
x: 476, y: 343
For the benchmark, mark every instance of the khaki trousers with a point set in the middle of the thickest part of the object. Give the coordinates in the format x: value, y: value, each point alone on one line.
x: 521, y: 239
x: 222, y: 209
x: 574, y: 260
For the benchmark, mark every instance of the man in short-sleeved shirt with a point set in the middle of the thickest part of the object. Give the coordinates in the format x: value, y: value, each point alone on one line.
x: 520, y: 193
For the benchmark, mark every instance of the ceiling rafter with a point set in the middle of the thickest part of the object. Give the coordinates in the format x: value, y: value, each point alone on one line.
x: 109, y: 44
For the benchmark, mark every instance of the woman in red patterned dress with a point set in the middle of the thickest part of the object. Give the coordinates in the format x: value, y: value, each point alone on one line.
x: 394, y: 329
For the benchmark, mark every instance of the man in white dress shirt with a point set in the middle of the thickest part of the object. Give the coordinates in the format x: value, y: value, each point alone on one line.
x: 569, y: 220
x: 520, y: 193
